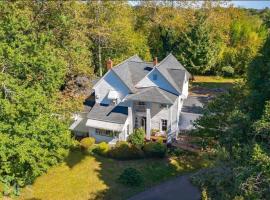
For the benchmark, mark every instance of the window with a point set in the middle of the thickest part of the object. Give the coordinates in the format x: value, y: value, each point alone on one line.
x: 154, y: 77
x: 164, y: 125
x: 163, y: 105
x: 141, y: 103
x: 136, y: 122
x: 114, y: 102
x: 107, y: 133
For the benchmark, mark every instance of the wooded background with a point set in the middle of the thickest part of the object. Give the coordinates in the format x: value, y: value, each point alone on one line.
x: 49, y: 50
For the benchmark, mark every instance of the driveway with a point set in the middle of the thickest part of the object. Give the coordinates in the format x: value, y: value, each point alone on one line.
x: 179, y: 188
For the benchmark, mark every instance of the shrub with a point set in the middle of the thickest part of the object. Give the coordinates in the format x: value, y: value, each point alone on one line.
x: 125, y: 151
x: 155, y: 149
x: 227, y: 71
x: 131, y: 177
x: 102, y: 149
x: 176, y: 152
x: 137, y: 138
x: 87, y: 143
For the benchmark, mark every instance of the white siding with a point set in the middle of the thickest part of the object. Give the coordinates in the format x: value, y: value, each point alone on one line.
x: 160, y: 81
x: 158, y: 113
x: 185, y: 87
x: 110, y: 82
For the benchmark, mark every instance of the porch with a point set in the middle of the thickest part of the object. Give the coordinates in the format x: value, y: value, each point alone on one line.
x: 151, y: 108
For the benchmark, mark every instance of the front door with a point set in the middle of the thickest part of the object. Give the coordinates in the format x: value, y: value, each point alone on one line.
x: 143, y: 123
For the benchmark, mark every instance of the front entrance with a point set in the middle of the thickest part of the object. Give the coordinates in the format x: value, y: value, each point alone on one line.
x: 143, y: 123
x: 140, y: 122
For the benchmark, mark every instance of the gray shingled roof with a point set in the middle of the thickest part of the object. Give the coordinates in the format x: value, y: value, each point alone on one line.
x: 153, y: 94
x: 178, y: 76
x: 194, y: 104
x: 132, y: 71
x: 171, y: 69
x: 108, y: 113
x: 81, y: 127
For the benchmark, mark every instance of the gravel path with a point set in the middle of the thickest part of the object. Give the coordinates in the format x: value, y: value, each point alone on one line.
x: 179, y: 188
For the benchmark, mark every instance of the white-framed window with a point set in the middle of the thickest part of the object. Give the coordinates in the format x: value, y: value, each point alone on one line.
x: 107, y: 133
x: 154, y: 77
x: 164, y: 125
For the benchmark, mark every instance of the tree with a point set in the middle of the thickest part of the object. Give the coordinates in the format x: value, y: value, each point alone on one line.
x: 258, y: 81
x: 112, y: 32
x: 197, y: 48
x: 239, y: 122
x: 34, y: 135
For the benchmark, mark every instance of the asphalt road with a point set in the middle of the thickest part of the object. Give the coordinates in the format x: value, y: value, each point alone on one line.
x: 179, y: 188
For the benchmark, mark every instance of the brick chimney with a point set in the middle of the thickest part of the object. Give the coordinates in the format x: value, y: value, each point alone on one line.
x: 109, y: 64
x: 155, y: 62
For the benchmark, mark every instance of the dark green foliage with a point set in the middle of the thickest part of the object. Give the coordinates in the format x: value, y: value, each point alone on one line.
x: 155, y: 149
x: 197, y: 49
x: 227, y: 71
x: 126, y: 151
x: 137, y: 138
x: 259, y: 81
x: 102, y: 149
x: 87, y: 143
x: 239, y: 122
x: 131, y: 177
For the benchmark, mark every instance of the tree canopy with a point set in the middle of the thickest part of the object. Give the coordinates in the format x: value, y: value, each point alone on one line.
x: 47, y: 46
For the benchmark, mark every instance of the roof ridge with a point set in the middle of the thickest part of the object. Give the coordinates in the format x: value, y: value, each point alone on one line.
x: 157, y: 65
x: 139, y: 61
x: 126, y: 60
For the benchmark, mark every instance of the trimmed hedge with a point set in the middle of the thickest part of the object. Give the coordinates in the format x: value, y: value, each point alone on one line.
x: 87, y: 143
x: 102, y: 149
x: 125, y: 151
x: 155, y: 149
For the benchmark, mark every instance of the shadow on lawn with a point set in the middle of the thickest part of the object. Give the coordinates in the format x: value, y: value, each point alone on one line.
x: 74, y: 157
x: 154, y: 171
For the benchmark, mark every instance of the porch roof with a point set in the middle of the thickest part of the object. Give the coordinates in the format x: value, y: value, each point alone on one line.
x: 108, y: 113
x: 153, y: 94
x: 104, y: 125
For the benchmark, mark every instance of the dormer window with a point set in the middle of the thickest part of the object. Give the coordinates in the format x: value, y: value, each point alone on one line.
x: 154, y: 77
x: 114, y: 96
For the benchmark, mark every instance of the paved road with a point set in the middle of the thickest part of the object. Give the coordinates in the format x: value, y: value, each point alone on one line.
x: 179, y: 188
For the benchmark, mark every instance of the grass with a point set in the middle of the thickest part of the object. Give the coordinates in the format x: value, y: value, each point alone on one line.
x: 85, y: 177
x: 214, y: 82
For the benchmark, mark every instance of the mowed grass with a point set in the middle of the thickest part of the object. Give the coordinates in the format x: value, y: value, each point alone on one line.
x: 87, y: 177
x: 214, y: 82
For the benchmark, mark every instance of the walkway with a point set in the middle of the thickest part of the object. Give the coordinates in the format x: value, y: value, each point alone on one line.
x: 179, y: 188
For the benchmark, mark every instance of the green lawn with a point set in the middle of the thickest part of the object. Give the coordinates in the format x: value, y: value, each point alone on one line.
x: 214, y: 82
x: 85, y: 177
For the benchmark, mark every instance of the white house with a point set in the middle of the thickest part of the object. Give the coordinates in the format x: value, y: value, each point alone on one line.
x: 136, y: 94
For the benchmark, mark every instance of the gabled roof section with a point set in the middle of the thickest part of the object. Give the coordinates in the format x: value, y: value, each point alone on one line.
x: 173, y: 71
x: 153, y: 94
x: 132, y: 71
x: 134, y: 58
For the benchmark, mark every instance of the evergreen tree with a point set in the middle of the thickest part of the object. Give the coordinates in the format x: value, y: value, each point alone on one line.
x: 197, y: 48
